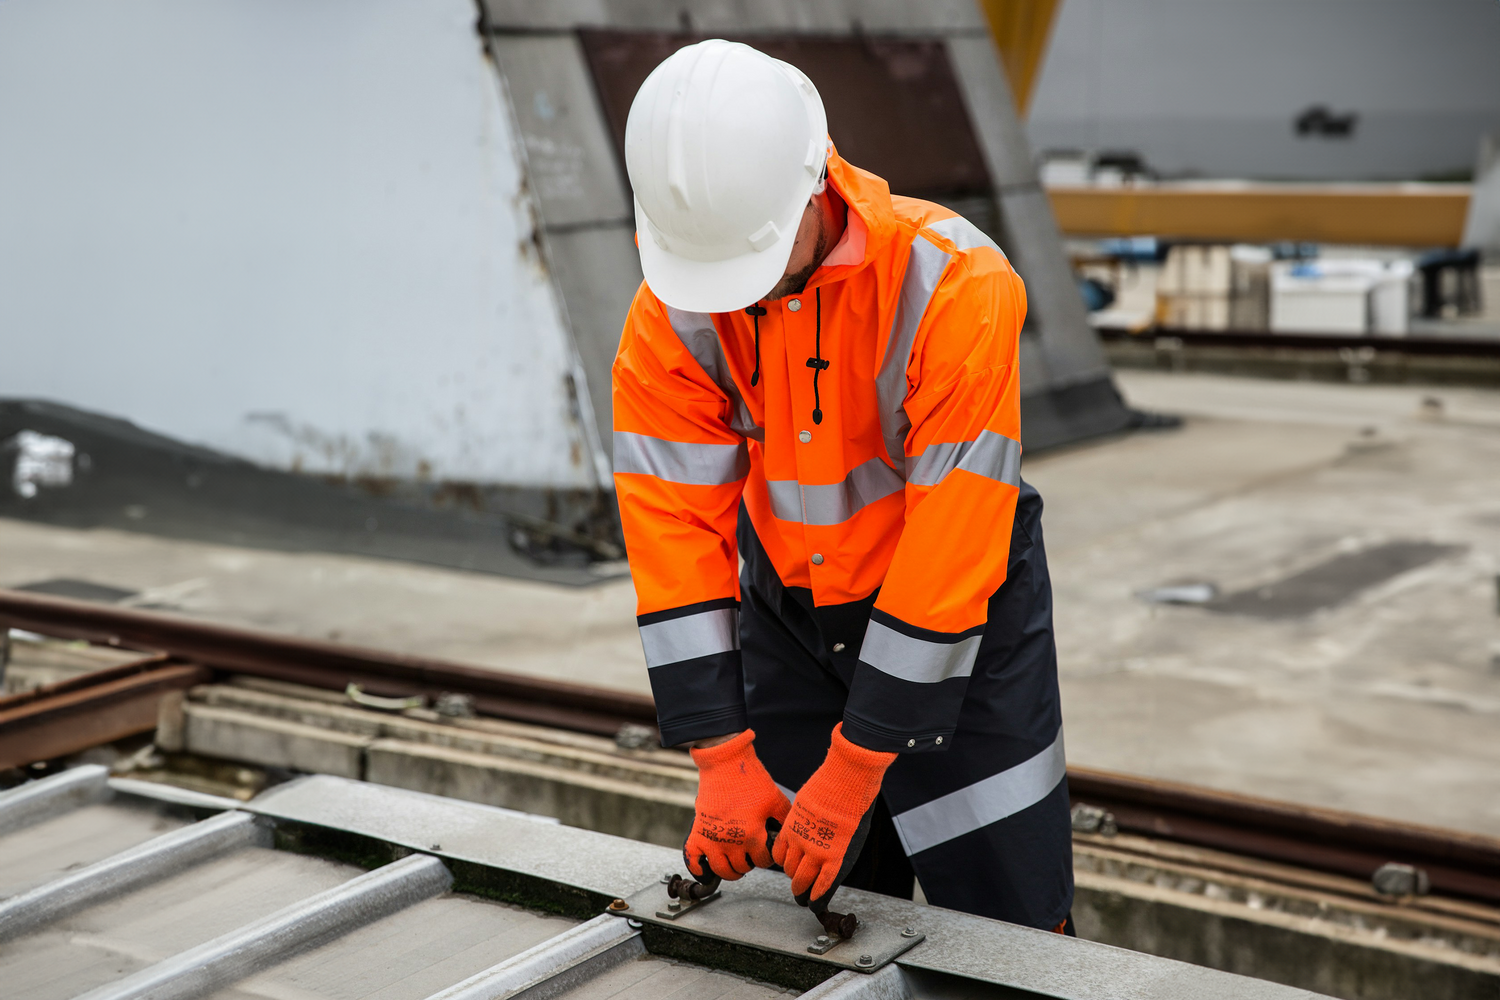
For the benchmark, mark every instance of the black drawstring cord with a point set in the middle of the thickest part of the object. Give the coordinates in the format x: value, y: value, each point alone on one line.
x: 756, y: 312
x: 817, y: 364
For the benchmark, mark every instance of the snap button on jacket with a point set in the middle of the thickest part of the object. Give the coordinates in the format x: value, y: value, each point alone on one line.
x: 908, y: 486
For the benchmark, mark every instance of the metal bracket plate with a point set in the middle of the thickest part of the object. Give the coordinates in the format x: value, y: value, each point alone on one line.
x: 683, y: 905
x: 776, y: 925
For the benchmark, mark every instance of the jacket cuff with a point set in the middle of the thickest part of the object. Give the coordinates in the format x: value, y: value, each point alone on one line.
x: 697, y: 678
x: 909, y: 685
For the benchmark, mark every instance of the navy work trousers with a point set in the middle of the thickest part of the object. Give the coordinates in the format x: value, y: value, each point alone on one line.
x: 984, y: 822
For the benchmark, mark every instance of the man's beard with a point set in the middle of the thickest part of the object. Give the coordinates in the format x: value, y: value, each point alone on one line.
x: 792, y: 284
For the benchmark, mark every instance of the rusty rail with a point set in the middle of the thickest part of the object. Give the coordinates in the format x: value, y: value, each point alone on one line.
x: 60, y: 719
x: 1458, y: 863
x: 334, y: 666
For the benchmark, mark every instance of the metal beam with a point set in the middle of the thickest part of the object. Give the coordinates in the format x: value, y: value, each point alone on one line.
x: 562, y: 962
x: 152, y: 860
x: 887, y: 984
x: 199, y: 971
x: 39, y: 800
x: 1415, y: 215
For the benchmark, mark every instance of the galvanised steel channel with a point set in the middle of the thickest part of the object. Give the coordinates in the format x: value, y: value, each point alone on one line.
x: 422, y: 847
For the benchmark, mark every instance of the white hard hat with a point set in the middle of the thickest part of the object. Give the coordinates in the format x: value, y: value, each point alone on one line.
x: 724, y: 146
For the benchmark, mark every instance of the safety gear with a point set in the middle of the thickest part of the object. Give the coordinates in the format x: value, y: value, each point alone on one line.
x: 985, y: 824
x: 724, y: 146
x: 907, y: 487
x: 826, y: 828
x: 736, y: 798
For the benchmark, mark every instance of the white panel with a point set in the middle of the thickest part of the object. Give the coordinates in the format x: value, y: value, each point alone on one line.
x: 296, y: 231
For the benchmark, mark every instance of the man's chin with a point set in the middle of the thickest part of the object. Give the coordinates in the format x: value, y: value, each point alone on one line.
x: 791, y: 284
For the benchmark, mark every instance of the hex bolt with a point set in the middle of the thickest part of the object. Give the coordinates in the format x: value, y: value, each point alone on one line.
x: 667, y: 878
x: 865, y: 961
x: 909, y: 932
x: 822, y: 940
x: 619, y: 906
x: 674, y: 904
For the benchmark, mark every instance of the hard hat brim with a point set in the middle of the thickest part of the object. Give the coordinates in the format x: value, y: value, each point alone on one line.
x: 711, y: 286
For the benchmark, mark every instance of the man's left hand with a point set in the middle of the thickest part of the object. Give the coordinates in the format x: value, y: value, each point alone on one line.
x: 830, y: 818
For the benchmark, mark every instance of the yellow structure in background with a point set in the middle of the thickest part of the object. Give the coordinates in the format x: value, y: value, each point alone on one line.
x: 1021, y: 29
x: 1413, y: 215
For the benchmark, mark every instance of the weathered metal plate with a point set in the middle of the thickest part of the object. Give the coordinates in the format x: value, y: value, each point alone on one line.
x: 775, y: 925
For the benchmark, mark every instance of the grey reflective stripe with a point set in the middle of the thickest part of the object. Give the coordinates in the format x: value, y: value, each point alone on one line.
x: 964, y: 234
x: 899, y: 655
x: 992, y: 455
x: 984, y: 802
x: 786, y: 499
x: 691, y: 636
x: 924, y: 269
x: 681, y: 461
x: 834, y: 503
x: 698, y: 335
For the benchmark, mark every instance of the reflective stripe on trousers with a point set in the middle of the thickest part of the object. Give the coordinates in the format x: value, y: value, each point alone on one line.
x: 984, y: 802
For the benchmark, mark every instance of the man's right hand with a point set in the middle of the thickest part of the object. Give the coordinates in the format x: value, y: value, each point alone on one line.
x: 736, y: 799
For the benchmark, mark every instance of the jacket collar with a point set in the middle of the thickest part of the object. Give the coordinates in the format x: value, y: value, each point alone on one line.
x: 869, y: 198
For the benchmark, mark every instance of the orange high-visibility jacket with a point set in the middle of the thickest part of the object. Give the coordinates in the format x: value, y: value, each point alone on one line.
x: 907, y: 484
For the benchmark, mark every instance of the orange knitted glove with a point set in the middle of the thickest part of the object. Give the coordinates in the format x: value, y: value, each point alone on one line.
x: 829, y: 820
x: 736, y: 798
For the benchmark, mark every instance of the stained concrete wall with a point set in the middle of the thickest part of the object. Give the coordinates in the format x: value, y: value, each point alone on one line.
x: 298, y: 233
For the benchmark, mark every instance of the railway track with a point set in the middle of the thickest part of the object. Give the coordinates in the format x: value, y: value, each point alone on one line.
x: 178, y: 653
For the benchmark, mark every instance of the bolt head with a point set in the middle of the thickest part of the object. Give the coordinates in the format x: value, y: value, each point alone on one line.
x: 865, y: 961
x: 618, y: 905
x: 666, y: 878
x: 821, y: 939
x: 674, y: 904
x: 909, y: 932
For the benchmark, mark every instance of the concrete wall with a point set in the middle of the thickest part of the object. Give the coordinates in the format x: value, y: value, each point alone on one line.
x: 296, y: 232
x: 1212, y: 88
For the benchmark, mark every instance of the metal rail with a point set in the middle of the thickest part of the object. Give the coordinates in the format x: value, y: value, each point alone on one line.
x: 60, y: 719
x: 329, y: 665
x: 1459, y: 864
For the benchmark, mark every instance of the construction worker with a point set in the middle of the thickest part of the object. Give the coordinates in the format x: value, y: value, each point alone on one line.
x: 820, y: 378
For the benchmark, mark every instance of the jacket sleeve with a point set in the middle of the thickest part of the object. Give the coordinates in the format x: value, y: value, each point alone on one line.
x: 963, y: 461
x: 679, y: 473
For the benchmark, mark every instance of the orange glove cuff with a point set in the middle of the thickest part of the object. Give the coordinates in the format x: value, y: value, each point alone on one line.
x: 736, y: 797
